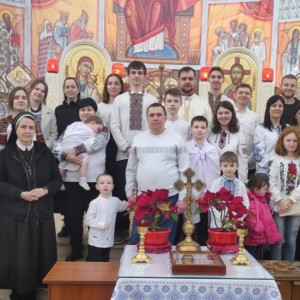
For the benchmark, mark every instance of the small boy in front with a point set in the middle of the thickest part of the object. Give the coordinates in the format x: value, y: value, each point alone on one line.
x: 172, y: 102
x: 204, y: 160
x: 101, y: 218
x: 229, y: 165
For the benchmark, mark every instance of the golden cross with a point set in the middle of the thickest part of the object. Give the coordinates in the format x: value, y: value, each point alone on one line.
x: 198, y: 185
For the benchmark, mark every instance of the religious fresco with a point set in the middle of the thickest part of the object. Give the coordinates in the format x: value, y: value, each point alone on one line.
x: 56, y: 24
x: 11, y: 36
x: 154, y: 31
x: 174, y: 33
x: 242, y: 25
x: 288, y: 51
x: 89, y: 66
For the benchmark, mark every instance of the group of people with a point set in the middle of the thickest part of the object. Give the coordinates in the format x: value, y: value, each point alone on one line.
x: 105, y: 151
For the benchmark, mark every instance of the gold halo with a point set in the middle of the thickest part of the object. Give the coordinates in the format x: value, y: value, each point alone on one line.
x: 6, y: 11
x: 291, y: 31
x: 260, y: 30
x: 17, y: 70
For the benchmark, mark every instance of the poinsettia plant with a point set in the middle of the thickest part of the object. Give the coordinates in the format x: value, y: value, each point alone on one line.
x: 230, y: 208
x: 150, y: 206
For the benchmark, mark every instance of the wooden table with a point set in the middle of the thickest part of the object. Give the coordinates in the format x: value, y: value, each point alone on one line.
x: 82, y: 280
x: 288, y: 281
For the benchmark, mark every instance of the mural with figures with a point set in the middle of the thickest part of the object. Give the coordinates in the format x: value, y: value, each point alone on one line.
x: 172, y: 32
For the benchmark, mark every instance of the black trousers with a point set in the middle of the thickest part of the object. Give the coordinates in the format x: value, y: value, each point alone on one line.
x: 78, y: 202
x: 98, y: 254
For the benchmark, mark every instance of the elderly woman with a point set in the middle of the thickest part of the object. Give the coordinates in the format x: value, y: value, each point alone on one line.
x: 17, y: 102
x: 78, y: 198
x: 28, y: 178
x: 46, y: 129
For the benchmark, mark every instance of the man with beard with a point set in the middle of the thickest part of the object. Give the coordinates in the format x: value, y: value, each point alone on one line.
x: 192, y: 104
x: 214, y: 95
x: 288, y: 88
x: 236, y: 75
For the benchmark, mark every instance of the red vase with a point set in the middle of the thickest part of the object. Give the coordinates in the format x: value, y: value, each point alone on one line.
x: 157, y: 238
x: 218, y: 237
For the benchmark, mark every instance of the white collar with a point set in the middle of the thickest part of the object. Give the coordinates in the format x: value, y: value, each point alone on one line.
x: 22, y: 147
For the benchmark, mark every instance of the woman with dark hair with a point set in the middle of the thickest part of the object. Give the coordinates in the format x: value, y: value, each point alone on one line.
x: 44, y: 116
x: 78, y: 198
x: 17, y: 102
x: 266, y: 134
x: 29, y: 177
x: 66, y: 114
x: 113, y: 87
x: 226, y: 136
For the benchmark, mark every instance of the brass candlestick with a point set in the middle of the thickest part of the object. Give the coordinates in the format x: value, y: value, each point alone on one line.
x: 241, y: 259
x: 141, y: 256
x: 188, y: 227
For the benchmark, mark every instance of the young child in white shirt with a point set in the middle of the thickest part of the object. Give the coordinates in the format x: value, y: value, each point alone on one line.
x: 229, y: 165
x: 172, y: 102
x: 204, y: 160
x: 101, y: 218
x: 75, y: 134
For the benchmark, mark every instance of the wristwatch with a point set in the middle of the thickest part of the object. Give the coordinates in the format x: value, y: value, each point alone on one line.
x: 45, y: 190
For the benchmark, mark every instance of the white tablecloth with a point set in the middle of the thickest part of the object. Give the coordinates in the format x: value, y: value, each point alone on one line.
x: 155, y: 281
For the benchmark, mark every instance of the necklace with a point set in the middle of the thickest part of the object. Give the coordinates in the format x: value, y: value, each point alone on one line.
x: 29, y: 170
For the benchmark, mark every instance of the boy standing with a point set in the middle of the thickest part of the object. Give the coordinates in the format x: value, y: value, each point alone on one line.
x: 204, y: 160
x: 173, y: 102
x: 101, y: 218
x: 229, y: 166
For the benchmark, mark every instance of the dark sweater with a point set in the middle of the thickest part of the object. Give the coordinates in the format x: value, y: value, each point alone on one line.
x: 13, y: 181
x: 66, y: 114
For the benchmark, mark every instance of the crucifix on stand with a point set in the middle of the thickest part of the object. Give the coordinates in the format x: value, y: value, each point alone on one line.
x: 188, y: 227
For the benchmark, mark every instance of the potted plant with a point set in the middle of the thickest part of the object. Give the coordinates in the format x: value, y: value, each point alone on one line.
x: 226, y: 210
x: 148, y: 209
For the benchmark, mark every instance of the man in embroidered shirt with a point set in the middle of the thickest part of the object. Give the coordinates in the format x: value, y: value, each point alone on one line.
x: 192, y: 105
x: 127, y: 120
x: 288, y: 88
x: 215, y: 96
x: 248, y: 121
x: 158, y: 158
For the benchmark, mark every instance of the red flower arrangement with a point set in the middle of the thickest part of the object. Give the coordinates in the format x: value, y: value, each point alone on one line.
x: 230, y: 208
x: 150, y: 206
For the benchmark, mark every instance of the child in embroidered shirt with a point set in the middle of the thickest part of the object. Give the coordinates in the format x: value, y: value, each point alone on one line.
x: 204, y: 160
x: 229, y: 166
x: 101, y: 218
x: 262, y: 229
x: 285, y: 191
x: 75, y: 134
x: 172, y: 102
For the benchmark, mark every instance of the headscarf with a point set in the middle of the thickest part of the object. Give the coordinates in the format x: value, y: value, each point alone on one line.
x: 13, y: 135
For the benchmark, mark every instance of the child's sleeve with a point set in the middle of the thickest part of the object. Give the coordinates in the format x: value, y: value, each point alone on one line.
x: 273, y: 182
x: 122, y: 205
x: 93, y: 219
x: 295, y: 194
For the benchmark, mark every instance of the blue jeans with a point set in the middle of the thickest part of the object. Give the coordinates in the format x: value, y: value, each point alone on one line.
x: 288, y: 227
x: 163, y: 222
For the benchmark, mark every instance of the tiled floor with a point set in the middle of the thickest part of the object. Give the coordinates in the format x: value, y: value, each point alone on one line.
x: 63, y: 249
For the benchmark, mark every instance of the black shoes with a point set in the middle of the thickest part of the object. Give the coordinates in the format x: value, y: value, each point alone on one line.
x: 74, y: 255
x: 64, y: 232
